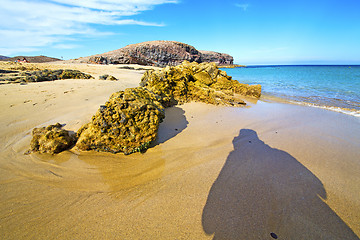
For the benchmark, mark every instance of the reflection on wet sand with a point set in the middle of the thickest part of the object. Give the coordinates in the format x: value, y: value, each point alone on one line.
x: 263, y: 193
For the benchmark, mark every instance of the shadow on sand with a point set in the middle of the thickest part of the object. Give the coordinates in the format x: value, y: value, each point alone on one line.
x: 265, y: 193
x: 174, y: 123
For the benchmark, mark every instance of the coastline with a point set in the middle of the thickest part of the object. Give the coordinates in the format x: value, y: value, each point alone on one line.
x: 173, y: 190
x: 330, y: 99
x: 347, y: 111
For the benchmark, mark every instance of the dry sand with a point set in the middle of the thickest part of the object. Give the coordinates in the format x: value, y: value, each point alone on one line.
x: 214, y: 173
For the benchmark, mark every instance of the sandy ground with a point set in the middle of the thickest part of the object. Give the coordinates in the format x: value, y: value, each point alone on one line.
x: 213, y: 173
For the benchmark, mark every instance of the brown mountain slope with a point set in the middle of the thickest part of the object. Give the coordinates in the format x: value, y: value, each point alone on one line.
x: 33, y: 59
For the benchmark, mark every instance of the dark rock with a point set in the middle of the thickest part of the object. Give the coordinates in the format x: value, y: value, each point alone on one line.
x: 51, y: 139
x: 273, y: 235
x: 108, y: 77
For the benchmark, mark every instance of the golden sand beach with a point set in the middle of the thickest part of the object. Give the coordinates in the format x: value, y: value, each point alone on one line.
x: 214, y: 172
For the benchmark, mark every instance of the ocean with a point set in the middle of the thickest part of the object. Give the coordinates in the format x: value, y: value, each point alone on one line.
x: 336, y: 88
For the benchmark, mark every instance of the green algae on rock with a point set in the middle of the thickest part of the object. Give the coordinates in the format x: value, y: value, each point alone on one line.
x: 107, y: 77
x: 202, y: 82
x: 51, y: 75
x: 42, y: 75
x: 51, y: 139
x: 127, y: 123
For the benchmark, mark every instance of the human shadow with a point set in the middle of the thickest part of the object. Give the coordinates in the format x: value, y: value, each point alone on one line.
x: 265, y: 193
x: 174, y: 123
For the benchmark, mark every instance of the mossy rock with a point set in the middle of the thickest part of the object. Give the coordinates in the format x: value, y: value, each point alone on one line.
x: 51, y: 75
x: 129, y: 120
x: 127, y: 123
x: 108, y: 77
x: 202, y: 82
x: 51, y: 139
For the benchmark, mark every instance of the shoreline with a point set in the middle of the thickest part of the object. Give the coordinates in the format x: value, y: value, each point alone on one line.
x: 197, y: 166
x: 347, y: 111
x: 291, y: 84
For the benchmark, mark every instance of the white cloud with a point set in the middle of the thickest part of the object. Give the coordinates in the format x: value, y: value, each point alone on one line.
x: 243, y: 6
x: 66, y: 46
x: 31, y: 24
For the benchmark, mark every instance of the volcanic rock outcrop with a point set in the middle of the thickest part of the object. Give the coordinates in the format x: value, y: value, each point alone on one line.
x: 41, y: 75
x: 160, y: 54
x: 129, y: 121
x: 51, y: 139
x: 215, y: 57
x: 203, y: 82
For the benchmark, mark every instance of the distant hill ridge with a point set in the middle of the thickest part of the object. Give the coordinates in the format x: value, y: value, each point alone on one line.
x: 158, y: 53
x: 3, y: 57
x: 33, y: 59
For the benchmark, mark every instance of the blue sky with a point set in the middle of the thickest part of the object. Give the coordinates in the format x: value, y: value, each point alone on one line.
x: 252, y: 31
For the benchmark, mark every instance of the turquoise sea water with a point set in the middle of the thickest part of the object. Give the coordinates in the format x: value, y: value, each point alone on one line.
x: 333, y: 87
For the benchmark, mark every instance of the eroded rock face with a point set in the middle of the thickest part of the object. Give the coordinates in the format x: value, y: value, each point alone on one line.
x: 202, y: 82
x: 160, y: 54
x: 215, y: 57
x: 51, y: 139
x: 127, y: 123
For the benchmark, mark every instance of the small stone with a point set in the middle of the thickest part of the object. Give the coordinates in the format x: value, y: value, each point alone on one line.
x: 51, y: 139
x: 273, y: 235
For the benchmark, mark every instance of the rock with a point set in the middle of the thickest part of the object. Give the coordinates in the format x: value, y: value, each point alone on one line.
x: 202, y: 82
x: 42, y: 75
x: 127, y: 123
x: 108, y: 77
x: 51, y: 75
x: 215, y: 57
x: 158, y: 53
x: 98, y: 60
x: 51, y: 139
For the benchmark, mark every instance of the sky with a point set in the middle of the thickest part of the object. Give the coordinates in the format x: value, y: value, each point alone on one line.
x: 252, y: 31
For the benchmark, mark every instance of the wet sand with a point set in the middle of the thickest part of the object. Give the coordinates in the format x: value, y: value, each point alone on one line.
x: 214, y: 172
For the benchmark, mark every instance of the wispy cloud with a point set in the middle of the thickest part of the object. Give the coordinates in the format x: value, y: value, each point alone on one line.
x: 243, y: 6
x: 31, y: 24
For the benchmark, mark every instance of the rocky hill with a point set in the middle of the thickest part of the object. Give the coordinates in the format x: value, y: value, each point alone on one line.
x: 160, y: 54
x: 33, y: 59
x: 3, y: 57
